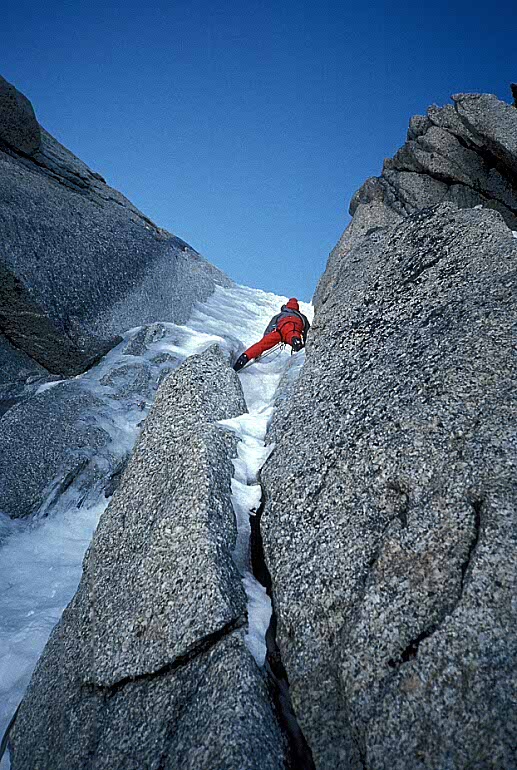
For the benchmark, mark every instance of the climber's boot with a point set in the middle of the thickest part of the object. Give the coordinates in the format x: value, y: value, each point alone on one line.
x: 241, y: 361
x: 296, y: 344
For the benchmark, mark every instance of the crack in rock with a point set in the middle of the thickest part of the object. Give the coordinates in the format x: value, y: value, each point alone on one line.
x: 200, y: 648
x: 411, y: 650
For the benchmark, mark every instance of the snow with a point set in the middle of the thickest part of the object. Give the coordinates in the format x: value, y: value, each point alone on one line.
x: 41, y: 558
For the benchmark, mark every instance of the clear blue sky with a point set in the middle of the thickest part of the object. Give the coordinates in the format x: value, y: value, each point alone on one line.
x: 245, y: 127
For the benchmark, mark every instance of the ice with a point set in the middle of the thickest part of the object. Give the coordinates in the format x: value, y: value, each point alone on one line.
x: 41, y: 558
x: 40, y: 568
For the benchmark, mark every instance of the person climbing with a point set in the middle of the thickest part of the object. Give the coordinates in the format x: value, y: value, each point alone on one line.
x: 289, y: 326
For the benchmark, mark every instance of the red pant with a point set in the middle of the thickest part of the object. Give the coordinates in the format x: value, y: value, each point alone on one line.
x: 289, y: 329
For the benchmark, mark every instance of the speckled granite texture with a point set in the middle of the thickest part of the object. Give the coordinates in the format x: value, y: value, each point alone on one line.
x: 148, y: 668
x: 390, y: 523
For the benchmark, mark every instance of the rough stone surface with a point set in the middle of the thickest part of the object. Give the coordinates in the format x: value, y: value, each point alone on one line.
x: 145, y: 337
x: 29, y: 329
x: 17, y: 372
x: 46, y: 442
x: 369, y: 220
x: 147, y: 667
x: 493, y: 123
x: 466, y: 154
x: 390, y: 523
x: 43, y: 439
x: 129, y: 379
x: 80, y: 264
x: 212, y: 711
x: 18, y: 125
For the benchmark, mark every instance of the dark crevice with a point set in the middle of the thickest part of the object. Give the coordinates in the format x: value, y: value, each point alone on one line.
x: 421, y: 268
x: 360, y: 751
x: 5, y: 738
x: 411, y: 650
x: 198, y: 648
x: 403, y: 507
x: 477, y: 505
x: 299, y: 755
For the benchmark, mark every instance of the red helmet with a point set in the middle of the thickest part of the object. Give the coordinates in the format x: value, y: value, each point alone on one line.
x: 293, y: 304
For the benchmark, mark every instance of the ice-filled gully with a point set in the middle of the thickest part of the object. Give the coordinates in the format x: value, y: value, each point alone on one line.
x: 41, y: 558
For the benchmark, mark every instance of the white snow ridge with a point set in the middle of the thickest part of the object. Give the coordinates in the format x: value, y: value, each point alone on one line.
x: 41, y: 558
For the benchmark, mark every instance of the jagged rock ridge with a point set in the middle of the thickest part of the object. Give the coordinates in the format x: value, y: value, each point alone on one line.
x: 464, y: 154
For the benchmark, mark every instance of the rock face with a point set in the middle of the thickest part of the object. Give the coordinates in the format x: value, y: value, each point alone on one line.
x: 148, y: 667
x: 47, y: 438
x: 18, y: 372
x: 389, y: 527
x: 465, y: 154
x: 79, y: 263
x: 18, y: 125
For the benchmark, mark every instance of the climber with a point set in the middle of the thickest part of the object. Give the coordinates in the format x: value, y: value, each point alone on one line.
x: 288, y: 326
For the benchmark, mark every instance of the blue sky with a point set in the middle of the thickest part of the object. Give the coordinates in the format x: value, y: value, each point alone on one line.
x: 245, y: 128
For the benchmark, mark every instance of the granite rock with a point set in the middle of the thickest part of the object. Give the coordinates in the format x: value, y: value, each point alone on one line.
x: 389, y: 526
x: 493, y: 123
x: 18, y: 125
x: 80, y: 264
x: 46, y: 442
x: 212, y: 711
x: 128, y: 380
x: 18, y: 372
x: 148, y: 667
x: 464, y: 153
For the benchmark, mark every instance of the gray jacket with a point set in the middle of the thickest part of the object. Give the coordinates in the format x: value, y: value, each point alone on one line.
x: 284, y: 313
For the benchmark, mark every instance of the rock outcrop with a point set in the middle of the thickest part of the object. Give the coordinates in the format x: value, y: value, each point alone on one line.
x: 148, y: 667
x: 19, y: 128
x: 389, y: 524
x: 464, y: 154
x: 79, y: 263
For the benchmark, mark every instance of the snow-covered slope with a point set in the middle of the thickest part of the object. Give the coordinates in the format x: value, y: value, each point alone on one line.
x: 40, y: 559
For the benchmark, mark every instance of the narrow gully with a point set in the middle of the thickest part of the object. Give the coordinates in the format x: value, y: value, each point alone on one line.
x: 299, y: 752
x: 260, y: 385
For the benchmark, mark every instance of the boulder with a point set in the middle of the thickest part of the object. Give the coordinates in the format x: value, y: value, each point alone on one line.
x: 390, y: 516
x: 148, y: 666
